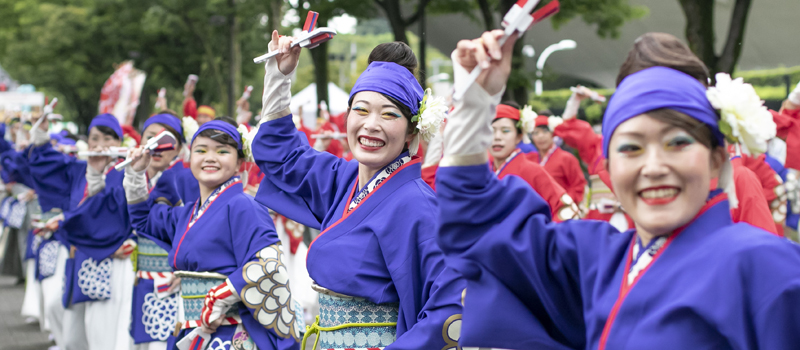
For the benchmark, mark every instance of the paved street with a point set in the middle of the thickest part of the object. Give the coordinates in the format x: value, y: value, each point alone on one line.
x: 14, y: 333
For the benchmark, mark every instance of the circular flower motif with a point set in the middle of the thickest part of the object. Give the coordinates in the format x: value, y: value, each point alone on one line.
x: 159, y: 315
x: 451, y: 332
x: 432, y: 112
x: 268, y: 293
x: 94, y: 279
x: 744, y: 118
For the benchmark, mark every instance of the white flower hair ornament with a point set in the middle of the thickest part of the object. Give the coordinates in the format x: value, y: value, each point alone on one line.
x: 527, y: 119
x: 432, y: 111
x: 247, y: 141
x: 744, y: 119
x: 553, y: 122
x: 190, y: 127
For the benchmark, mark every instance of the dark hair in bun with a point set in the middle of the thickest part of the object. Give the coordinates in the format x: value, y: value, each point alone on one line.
x: 665, y: 50
x: 397, y: 52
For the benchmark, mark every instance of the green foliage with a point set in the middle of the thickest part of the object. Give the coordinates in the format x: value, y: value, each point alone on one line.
x: 607, y: 15
x: 556, y: 100
x: 364, y: 44
x: 770, y: 77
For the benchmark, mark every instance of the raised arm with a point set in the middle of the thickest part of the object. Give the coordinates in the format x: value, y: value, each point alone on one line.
x: 300, y: 182
x: 496, y: 233
x: 147, y: 216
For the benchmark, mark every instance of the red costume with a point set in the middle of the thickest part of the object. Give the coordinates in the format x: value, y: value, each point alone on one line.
x: 788, y: 129
x: 562, y: 166
x: 771, y: 187
x: 190, y: 107
x: 562, y: 207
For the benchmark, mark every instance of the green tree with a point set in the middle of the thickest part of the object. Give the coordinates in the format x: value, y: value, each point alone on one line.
x: 69, y: 47
x: 328, y: 9
x: 607, y: 15
x: 701, y: 35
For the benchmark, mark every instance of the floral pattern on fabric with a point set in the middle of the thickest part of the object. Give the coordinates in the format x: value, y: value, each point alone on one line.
x: 159, y: 315
x: 643, y: 259
x: 218, y: 344
x: 94, y: 279
x: 16, y: 217
x: 268, y: 294
x: 377, y: 180
x: 48, y: 258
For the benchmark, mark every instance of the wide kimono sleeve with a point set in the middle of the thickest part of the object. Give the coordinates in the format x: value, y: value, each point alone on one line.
x: 524, y: 274
x: 429, y: 292
x: 15, y: 168
x: 579, y: 134
x: 771, y: 298
x: 576, y: 182
x: 261, y: 280
x: 54, y: 176
x: 156, y: 219
x: 100, y: 225
x: 562, y: 206
x: 299, y: 182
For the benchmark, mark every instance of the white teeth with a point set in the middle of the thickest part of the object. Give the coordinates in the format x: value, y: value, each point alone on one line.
x: 659, y: 193
x: 370, y: 143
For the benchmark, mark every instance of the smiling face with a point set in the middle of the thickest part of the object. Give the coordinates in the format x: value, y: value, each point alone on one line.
x: 506, y: 138
x: 212, y: 162
x: 377, y: 131
x: 660, y: 173
x: 98, y: 138
x: 159, y: 162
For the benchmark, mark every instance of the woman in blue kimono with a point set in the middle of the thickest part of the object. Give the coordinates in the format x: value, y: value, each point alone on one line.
x: 155, y: 298
x: 234, y: 286
x: 99, y: 275
x: 376, y: 255
x: 686, y: 277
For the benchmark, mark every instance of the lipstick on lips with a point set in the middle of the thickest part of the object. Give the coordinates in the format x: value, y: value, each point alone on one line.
x: 374, y: 140
x: 659, y: 195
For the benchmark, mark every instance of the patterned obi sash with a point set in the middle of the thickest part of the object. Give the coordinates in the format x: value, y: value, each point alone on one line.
x: 151, y: 260
x: 601, y: 198
x: 194, y: 288
x: 346, y: 322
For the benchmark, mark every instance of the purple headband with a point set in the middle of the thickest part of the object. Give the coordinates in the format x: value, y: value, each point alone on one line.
x: 656, y: 88
x: 108, y: 120
x: 221, y: 126
x: 66, y: 141
x: 390, y: 79
x: 168, y: 120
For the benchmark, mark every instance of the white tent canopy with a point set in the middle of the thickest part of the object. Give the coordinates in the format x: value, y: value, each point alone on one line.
x: 307, y: 98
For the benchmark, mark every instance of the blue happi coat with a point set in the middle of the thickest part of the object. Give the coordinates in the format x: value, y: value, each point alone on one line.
x: 96, y: 226
x: 384, y: 250
x: 229, y: 234
x: 154, y: 315
x: 535, y: 284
